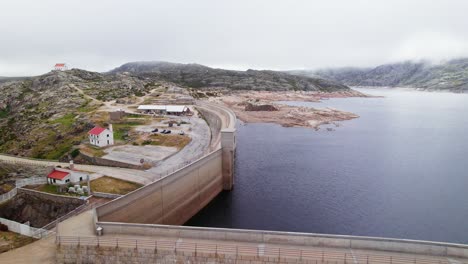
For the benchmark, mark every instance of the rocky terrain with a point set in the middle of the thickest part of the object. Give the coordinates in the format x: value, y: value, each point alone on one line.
x: 262, y: 107
x: 449, y: 76
x: 38, y: 209
x: 9, y: 173
x: 199, y: 76
x: 44, y: 116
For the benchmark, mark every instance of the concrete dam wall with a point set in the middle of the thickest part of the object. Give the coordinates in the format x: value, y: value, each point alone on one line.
x: 172, y: 200
x: 177, y: 197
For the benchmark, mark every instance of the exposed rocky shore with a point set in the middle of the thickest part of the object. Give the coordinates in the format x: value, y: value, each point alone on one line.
x: 269, y: 110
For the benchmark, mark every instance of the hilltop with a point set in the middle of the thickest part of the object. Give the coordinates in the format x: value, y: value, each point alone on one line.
x: 44, y: 116
x: 449, y: 76
x: 199, y: 76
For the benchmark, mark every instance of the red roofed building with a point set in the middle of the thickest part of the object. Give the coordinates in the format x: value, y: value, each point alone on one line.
x: 101, y: 137
x: 60, y: 176
x: 60, y: 67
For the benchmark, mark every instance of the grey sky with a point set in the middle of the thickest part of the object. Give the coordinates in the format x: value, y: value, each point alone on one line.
x: 102, y: 34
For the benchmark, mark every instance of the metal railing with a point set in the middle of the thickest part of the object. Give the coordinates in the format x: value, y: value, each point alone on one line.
x: 173, y: 169
x: 253, y: 252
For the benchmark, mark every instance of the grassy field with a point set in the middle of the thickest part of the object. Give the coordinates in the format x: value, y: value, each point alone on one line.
x: 92, y: 150
x: 108, y: 184
x: 178, y: 141
x: 10, y: 240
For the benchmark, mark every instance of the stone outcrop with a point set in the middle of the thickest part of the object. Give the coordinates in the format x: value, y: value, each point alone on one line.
x: 256, y: 106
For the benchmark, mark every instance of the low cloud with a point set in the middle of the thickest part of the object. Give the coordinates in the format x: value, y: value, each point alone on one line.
x: 435, y: 47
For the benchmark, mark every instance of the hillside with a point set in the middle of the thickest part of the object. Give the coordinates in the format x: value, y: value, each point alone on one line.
x: 199, y: 76
x: 44, y: 116
x: 448, y: 76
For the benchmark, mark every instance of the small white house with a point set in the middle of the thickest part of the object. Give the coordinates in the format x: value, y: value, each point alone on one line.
x: 101, y: 137
x: 59, y: 176
x: 60, y: 67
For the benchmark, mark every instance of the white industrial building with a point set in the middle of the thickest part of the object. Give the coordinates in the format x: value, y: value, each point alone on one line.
x: 164, y: 109
x: 101, y: 137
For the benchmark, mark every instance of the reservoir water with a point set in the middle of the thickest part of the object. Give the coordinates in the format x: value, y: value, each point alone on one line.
x: 400, y: 170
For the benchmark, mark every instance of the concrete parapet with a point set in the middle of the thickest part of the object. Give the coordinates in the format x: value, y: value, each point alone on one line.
x: 290, y: 238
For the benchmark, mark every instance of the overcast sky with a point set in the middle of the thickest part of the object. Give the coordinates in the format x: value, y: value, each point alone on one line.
x: 268, y: 34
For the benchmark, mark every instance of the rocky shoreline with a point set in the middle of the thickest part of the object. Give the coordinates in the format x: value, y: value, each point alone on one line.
x: 286, y: 115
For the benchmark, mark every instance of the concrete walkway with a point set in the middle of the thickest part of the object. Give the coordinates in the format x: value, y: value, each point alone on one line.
x: 40, y: 252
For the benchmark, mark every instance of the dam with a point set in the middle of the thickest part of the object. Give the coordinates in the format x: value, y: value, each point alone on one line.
x: 144, y: 226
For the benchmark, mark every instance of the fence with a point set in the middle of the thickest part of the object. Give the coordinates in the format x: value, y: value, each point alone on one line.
x: 251, y: 252
x: 7, y: 196
x: 30, y: 181
x: 23, y: 229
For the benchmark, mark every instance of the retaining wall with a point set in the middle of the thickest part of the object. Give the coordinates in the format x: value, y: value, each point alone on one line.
x: 22, y: 229
x: 110, y: 255
x: 290, y: 238
x: 170, y: 200
x: 110, y: 163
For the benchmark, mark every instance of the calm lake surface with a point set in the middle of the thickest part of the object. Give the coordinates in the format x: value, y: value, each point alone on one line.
x: 400, y: 170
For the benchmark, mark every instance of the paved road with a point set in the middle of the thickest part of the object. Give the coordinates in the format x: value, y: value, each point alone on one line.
x: 41, y: 251
x: 197, y: 147
x: 138, y: 176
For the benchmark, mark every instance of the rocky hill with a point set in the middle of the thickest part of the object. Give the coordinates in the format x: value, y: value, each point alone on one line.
x: 199, y: 76
x: 448, y: 76
x: 44, y: 116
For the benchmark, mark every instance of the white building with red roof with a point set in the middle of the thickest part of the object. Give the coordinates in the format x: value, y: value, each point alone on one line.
x: 101, y: 137
x: 60, y: 67
x: 59, y: 176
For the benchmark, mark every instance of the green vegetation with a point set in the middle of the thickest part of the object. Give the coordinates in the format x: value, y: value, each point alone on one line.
x: 87, y: 107
x: 108, y: 184
x: 91, y: 151
x: 178, y: 141
x: 130, y: 115
x: 66, y: 120
x: 4, y: 112
x: 75, y: 153
x: 122, y: 128
x: 50, y: 188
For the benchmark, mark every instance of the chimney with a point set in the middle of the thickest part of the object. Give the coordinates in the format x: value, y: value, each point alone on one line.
x: 72, y: 166
x: 110, y: 128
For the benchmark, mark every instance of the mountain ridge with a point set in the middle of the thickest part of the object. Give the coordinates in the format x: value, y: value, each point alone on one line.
x: 451, y: 75
x: 199, y: 76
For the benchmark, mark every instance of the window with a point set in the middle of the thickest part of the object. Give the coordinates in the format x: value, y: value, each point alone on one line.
x: 55, y: 181
x: 108, y: 142
x: 81, y: 178
x: 107, y: 135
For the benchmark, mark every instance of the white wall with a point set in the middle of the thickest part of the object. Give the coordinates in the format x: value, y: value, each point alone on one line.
x: 106, y: 138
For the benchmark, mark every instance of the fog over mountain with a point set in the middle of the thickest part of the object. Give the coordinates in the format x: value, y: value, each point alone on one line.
x: 241, y: 35
x: 447, y: 76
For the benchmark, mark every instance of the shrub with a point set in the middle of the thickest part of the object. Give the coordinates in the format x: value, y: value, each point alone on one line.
x: 75, y: 153
x: 3, y: 227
